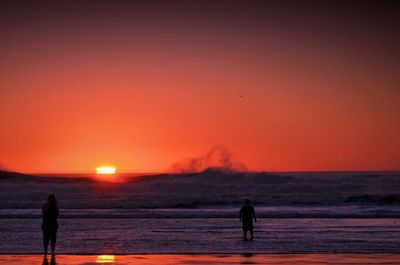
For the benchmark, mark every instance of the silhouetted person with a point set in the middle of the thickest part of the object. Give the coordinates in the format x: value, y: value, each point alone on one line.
x: 246, y: 216
x: 50, y: 224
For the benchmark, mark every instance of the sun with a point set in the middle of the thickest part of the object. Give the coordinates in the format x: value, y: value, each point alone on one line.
x: 106, y: 170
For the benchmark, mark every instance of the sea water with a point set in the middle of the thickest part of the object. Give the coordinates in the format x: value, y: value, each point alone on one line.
x: 314, y: 213
x: 205, y: 235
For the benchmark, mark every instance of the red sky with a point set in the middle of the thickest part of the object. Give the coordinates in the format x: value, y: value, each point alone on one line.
x: 141, y: 85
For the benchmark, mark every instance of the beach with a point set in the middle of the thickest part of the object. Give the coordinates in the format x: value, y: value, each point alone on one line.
x: 223, y: 259
x: 194, y: 219
x: 199, y: 132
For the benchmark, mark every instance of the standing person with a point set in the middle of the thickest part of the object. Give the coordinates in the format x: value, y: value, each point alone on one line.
x: 50, y: 224
x: 246, y: 216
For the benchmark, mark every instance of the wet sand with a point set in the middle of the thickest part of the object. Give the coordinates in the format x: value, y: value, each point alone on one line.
x: 227, y: 259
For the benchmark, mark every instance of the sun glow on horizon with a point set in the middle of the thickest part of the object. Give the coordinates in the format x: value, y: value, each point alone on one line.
x: 106, y: 170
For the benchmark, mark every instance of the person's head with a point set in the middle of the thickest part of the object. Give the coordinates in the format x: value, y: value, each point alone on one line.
x: 52, y: 199
x: 247, y: 202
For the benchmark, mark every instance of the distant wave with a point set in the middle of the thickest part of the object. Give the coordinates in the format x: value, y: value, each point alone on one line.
x: 213, y: 189
x: 381, y: 199
x: 218, y: 157
x: 221, y: 212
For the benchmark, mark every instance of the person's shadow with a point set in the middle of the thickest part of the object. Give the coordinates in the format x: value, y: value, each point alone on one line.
x: 52, y: 261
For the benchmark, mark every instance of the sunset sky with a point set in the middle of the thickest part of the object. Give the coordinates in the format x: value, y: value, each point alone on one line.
x: 284, y: 85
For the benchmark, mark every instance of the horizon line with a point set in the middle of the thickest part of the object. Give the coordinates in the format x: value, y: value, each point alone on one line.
x: 221, y: 169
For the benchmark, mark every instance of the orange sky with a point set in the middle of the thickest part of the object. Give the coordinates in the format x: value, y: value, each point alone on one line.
x: 142, y: 86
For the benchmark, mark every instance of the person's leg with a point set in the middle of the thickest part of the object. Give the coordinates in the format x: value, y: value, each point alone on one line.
x: 244, y: 234
x: 45, y: 242
x: 53, y: 243
x: 251, y: 233
x: 45, y: 261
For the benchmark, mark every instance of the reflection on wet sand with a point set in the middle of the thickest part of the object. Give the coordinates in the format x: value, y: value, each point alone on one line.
x: 52, y: 261
x: 221, y: 259
x: 105, y: 259
x: 247, y: 258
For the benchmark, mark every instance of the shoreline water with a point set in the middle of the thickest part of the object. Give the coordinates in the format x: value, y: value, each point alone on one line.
x: 205, y: 235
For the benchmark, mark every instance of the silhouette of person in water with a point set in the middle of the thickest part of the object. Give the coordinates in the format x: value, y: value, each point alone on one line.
x: 246, y: 216
x: 50, y: 224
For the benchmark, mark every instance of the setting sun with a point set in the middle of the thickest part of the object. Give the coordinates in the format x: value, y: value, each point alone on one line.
x: 105, y: 170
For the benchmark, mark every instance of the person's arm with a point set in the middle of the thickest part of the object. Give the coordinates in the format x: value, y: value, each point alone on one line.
x: 240, y: 214
x: 57, y: 212
x: 254, y: 214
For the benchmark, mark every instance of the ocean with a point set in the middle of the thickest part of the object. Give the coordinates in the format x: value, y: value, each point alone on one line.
x: 318, y: 212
